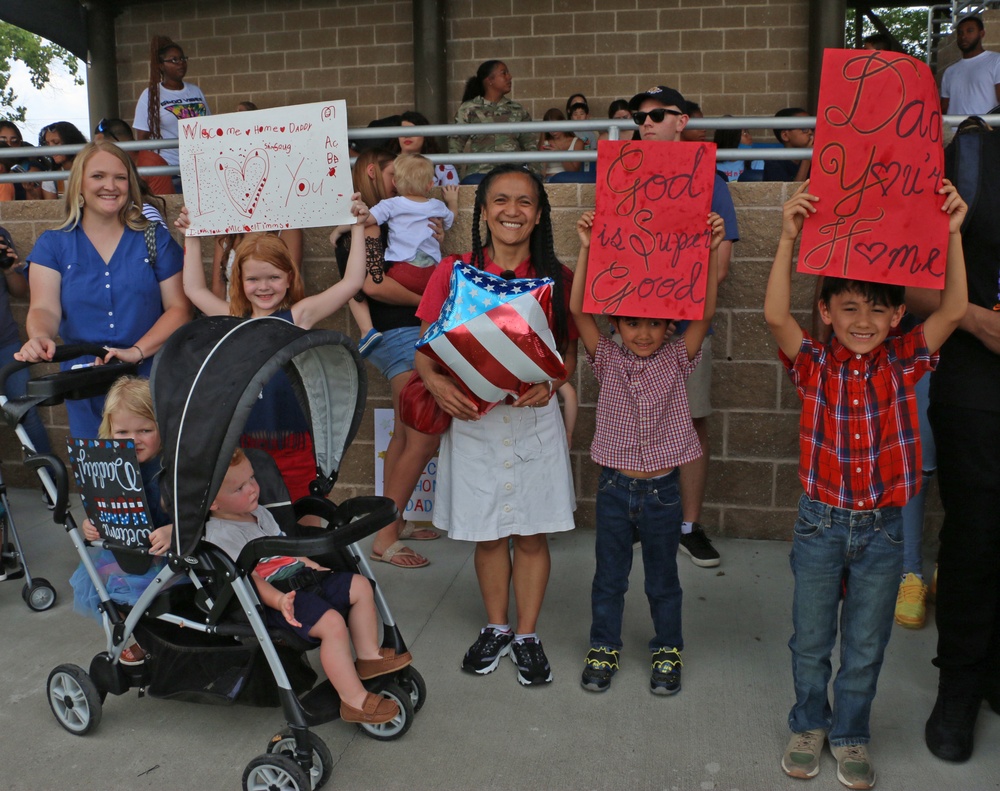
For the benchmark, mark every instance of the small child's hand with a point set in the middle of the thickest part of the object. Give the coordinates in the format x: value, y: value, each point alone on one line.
x: 795, y: 211
x: 183, y: 221
x: 718, y: 226
x: 89, y: 531
x: 584, y: 226
x: 287, y: 608
x: 449, y: 191
x: 358, y: 208
x: 159, y: 539
x: 954, y: 206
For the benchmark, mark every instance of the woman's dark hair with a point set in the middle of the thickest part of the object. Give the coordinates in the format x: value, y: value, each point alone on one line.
x: 431, y: 145
x: 571, y: 105
x: 68, y: 133
x: 542, y: 250
x: 615, y: 106
x: 727, y: 138
x: 474, y: 85
x: 158, y: 47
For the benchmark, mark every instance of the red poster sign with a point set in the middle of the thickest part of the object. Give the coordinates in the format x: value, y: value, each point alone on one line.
x: 877, y: 165
x: 650, y: 242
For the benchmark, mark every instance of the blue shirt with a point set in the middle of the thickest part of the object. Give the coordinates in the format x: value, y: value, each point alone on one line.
x: 113, y: 303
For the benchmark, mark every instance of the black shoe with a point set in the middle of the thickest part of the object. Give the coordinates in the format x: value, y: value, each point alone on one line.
x: 666, y: 675
x: 484, y: 655
x: 532, y: 664
x: 598, y: 668
x: 991, y: 693
x: 698, y: 546
x: 951, y: 725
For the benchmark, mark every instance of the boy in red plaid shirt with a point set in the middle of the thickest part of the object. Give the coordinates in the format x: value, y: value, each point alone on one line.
x: 643, y: 434
x: 859, y: 464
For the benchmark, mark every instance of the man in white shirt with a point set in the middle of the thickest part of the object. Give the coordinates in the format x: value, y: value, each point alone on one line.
x: 972, y: 85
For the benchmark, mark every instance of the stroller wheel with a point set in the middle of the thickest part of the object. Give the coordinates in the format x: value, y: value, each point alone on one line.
x: 74, y: 699
x: 275, y: 773
x: 399, y: 724
x: 322, y: 761
x: 411, y: 681
x: 40, y: 595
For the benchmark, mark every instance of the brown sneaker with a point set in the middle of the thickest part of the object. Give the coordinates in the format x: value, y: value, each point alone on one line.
x: 375, y: 711
x: 388, y: 662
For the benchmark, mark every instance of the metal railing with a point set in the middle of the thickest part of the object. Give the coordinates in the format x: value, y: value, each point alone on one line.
x: 615, y: 129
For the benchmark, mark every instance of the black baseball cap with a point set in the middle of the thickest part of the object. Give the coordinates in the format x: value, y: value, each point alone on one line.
x: 661, y: 93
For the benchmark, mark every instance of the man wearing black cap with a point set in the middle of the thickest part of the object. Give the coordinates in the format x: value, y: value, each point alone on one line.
x: 661, y: 114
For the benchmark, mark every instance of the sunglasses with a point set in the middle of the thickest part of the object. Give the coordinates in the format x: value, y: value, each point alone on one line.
x: 657, y: 115
x: 174, y: 61
x: 103, y: 129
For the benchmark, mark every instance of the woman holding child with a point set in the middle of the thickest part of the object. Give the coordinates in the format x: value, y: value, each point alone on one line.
x: 388, y: 311
x: 505, y: 476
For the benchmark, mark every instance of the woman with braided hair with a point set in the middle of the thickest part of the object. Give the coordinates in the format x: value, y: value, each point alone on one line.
x: 504, y: 477
x: 168, y: 98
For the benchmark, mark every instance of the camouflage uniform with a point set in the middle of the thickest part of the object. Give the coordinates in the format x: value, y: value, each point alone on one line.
x: 480, y: 111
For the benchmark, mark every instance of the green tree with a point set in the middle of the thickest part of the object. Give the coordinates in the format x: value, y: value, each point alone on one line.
x: 17, y: 44
x: 908, y: 25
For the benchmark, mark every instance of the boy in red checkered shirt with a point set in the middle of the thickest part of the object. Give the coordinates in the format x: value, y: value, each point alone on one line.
x: 643, y: 434
x: 859, y: 463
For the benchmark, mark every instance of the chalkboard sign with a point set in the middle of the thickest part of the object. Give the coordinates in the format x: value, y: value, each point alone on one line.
x: 110, y: 482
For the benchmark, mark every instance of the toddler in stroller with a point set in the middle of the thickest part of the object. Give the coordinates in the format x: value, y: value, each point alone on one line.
x: 212, y: 641
x: 317, y: 603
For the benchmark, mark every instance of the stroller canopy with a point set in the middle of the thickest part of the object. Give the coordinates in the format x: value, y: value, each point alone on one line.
x: 205, y: 381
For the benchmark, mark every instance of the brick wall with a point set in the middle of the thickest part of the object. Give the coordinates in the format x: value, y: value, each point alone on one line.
x: 738, y: 57
x: 753, y: 486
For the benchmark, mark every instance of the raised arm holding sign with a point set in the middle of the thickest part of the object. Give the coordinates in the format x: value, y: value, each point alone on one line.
x: 878, y: 165
x: 650, y: 244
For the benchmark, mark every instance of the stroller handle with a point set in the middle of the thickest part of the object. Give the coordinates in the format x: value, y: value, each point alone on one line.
x: 349, y: 522
x: 61, y: 479
x: 62, y: 354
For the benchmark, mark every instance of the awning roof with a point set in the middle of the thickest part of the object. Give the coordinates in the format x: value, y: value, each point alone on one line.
x: 63, y: 22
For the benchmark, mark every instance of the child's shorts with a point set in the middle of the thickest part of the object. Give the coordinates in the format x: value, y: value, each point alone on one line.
x: 334, y: 594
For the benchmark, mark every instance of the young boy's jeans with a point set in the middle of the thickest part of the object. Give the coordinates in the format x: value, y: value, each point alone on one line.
x: 829, y: 544
x: 653, y: 506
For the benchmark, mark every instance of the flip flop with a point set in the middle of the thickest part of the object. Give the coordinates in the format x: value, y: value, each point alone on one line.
x: 394, y: 549
x: 413, y: 533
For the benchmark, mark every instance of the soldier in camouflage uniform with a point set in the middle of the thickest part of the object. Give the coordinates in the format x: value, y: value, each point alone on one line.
x: 485, y: 102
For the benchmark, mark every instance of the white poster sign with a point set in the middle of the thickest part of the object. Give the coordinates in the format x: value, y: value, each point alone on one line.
x: 421, y: 505
x: 264, y: 170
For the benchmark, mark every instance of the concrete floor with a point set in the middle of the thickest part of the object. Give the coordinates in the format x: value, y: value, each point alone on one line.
x: 725, y: 730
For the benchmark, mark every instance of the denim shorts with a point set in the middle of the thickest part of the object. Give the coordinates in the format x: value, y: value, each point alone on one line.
x: 394, y: 353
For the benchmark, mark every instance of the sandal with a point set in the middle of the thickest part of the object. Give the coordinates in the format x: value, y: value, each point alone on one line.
x: 413, y: 533
x: 374, y: 711
x: 397, y: 549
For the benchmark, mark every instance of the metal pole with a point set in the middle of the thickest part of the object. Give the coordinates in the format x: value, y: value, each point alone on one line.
x: 102, y: 70
x: 430, y: 60
x: 826, y: 30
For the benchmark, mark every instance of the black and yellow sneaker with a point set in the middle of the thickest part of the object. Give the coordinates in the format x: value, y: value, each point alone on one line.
x: 598, y: 668
x: 666, y: 672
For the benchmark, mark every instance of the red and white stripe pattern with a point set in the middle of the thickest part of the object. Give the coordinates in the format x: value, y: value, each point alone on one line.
x: 494, y: 335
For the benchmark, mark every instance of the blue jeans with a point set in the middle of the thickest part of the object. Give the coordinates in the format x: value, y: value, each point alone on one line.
x: 16, y: 385
x: 654, y: 507
x: 830, y: 544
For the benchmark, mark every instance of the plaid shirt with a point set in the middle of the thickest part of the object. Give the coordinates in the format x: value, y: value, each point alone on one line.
x: 859, y: 437
x: 643, y: 419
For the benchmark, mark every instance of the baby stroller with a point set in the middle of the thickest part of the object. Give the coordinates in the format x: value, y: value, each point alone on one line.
x: 47, y: 390
x: 208, y: 641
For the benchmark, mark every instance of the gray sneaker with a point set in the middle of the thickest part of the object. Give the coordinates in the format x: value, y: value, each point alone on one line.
x: 854, y: 766
x: 801, y: 758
